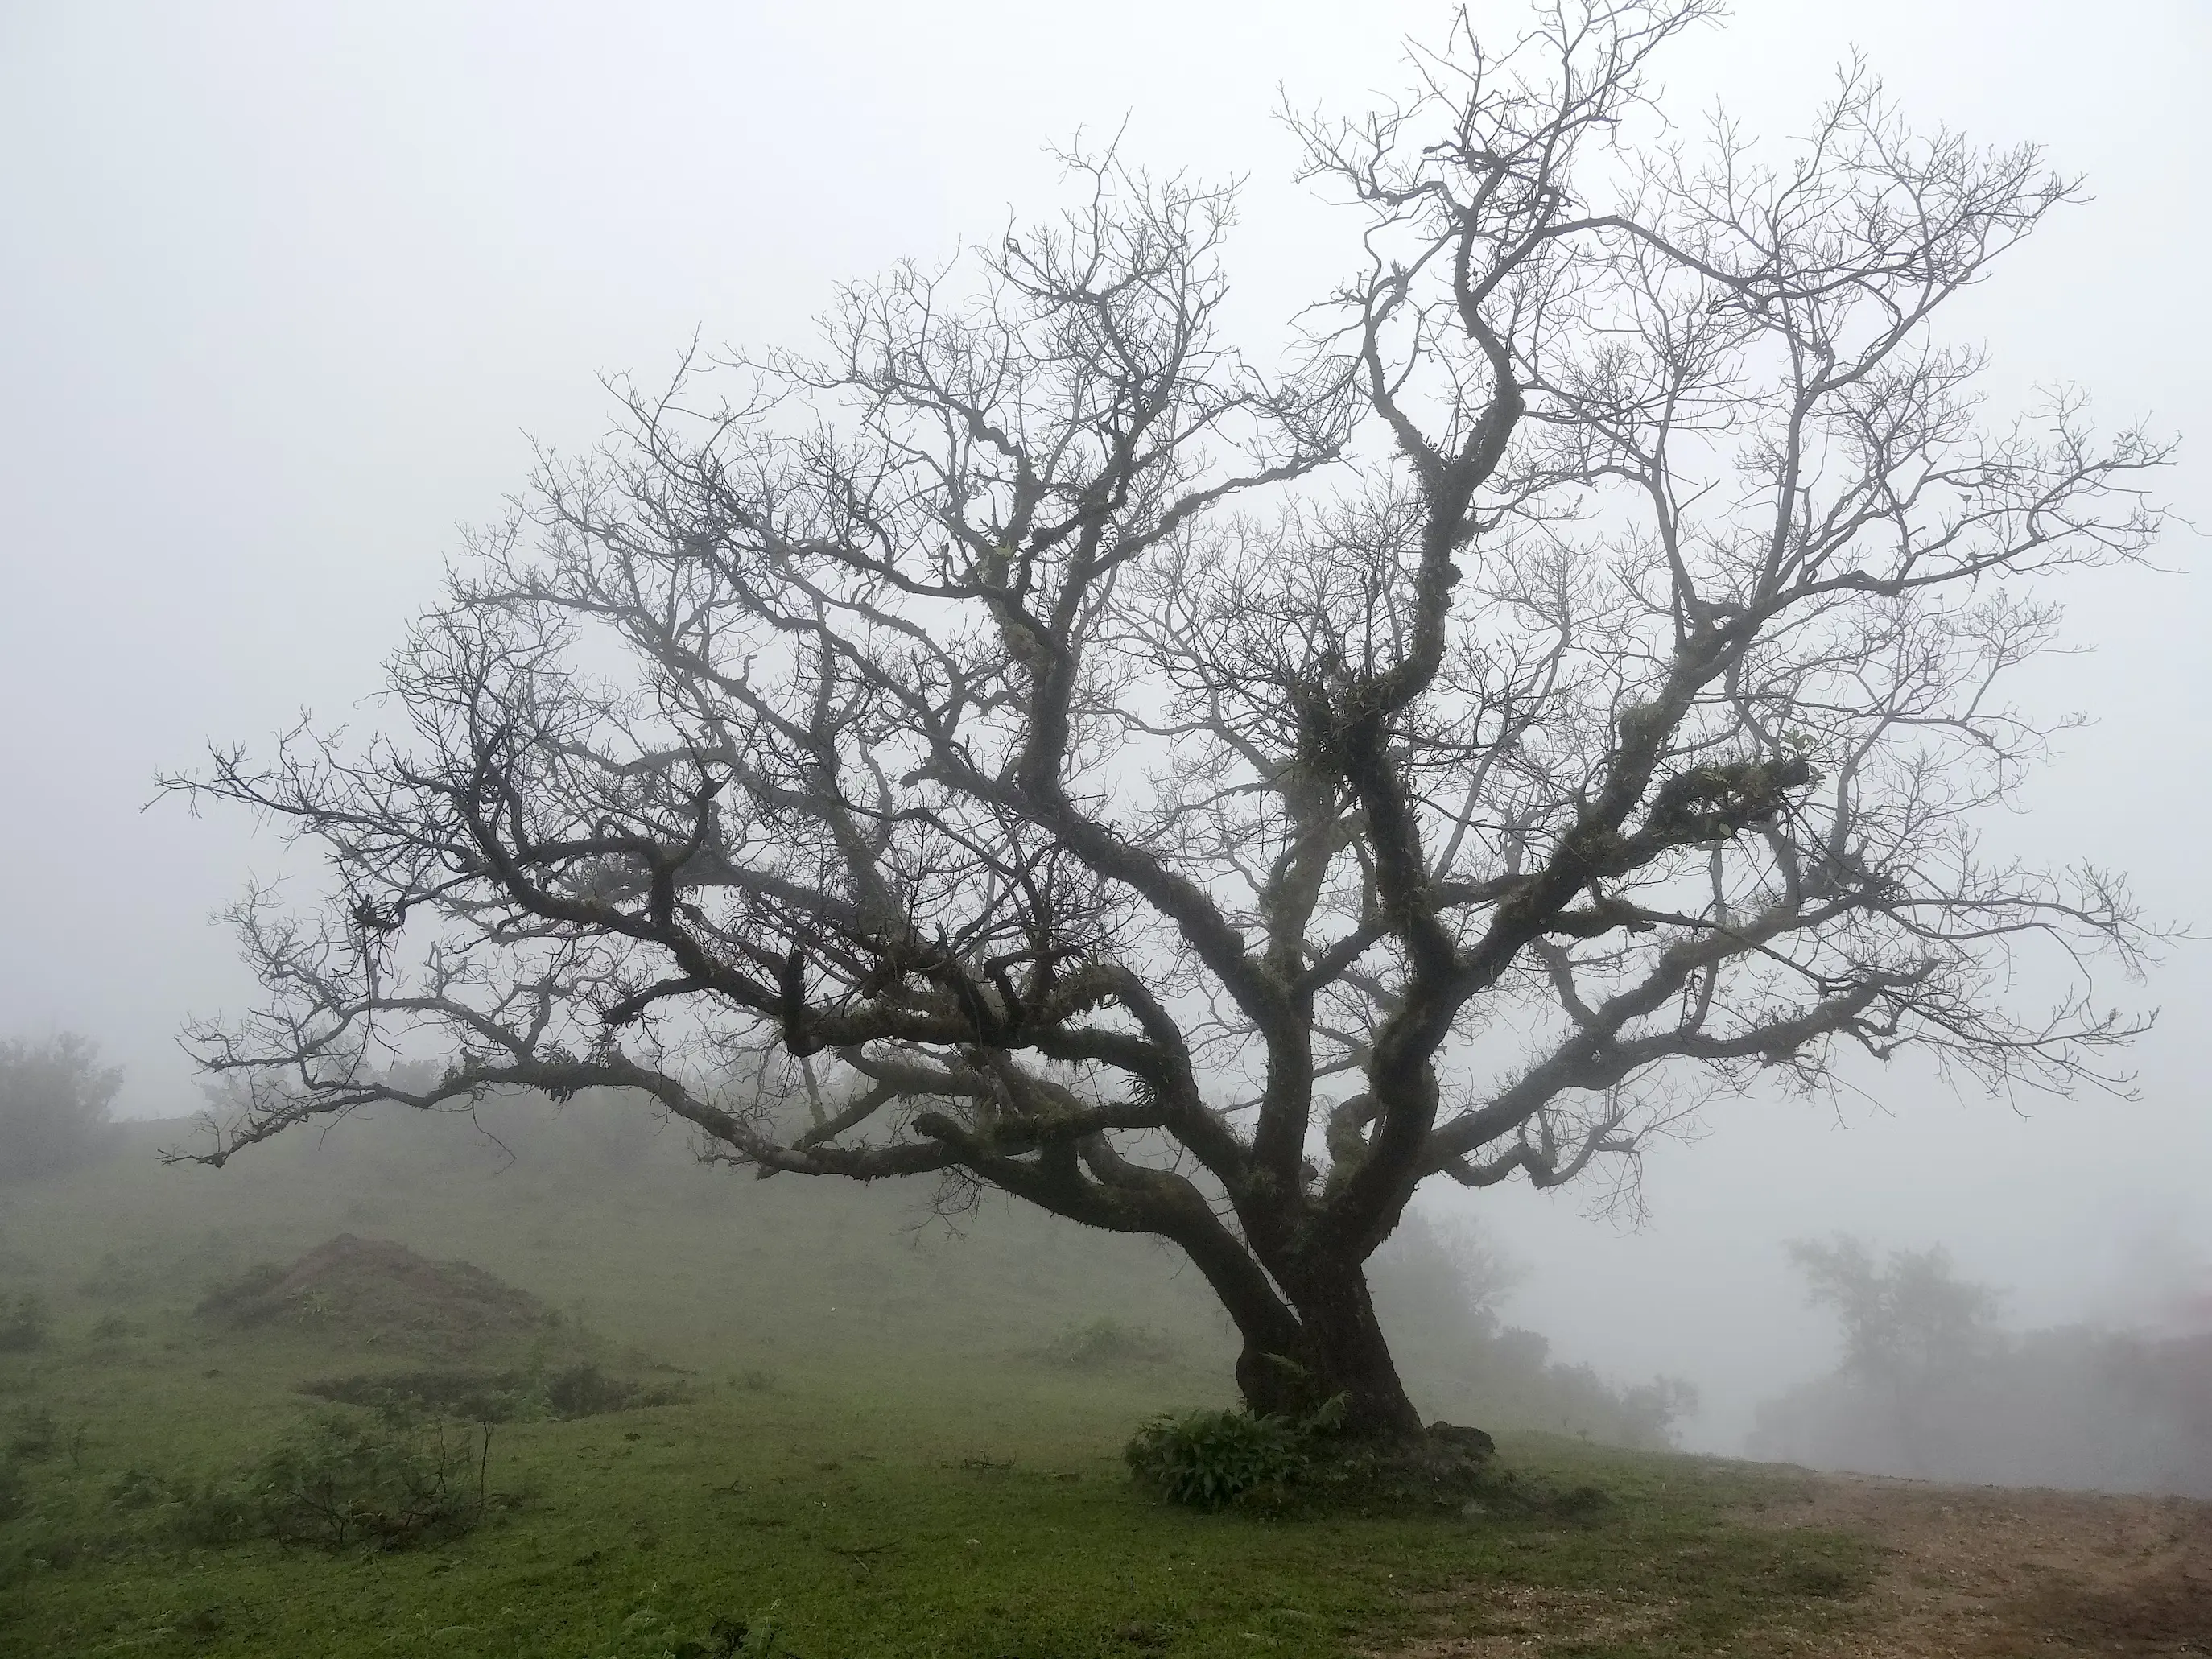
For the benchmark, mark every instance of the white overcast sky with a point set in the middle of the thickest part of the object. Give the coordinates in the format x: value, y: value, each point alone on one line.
x: 283, y: 288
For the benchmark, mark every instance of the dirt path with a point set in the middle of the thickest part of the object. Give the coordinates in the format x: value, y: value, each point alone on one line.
x: 1967, y: 1572
x: 1988, y: 1572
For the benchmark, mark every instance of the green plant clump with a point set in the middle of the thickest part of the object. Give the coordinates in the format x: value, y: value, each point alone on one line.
x: 1209, y: 1459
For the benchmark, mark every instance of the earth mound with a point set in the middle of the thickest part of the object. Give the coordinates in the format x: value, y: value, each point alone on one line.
x: 375, y: 1291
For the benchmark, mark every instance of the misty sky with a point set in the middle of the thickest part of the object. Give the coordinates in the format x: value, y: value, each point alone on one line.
x: 284, y: 291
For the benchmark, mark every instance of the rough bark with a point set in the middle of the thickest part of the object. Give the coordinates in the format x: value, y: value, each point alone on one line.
x: 1340, y: 1350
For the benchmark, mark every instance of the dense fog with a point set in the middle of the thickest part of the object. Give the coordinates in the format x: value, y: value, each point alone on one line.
x: 1933, y: 1387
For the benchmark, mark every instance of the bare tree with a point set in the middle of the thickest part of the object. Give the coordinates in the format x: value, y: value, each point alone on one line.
x: 1031, y: 745
x: 1914, y: 1333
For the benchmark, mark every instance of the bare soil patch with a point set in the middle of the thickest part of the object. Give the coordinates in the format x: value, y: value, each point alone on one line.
x: 1965, y: 1572
x: 1982, y: 1571
x: 1513, y: 1621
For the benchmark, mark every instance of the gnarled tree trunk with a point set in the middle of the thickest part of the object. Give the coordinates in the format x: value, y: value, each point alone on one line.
x: 1339, y: 1349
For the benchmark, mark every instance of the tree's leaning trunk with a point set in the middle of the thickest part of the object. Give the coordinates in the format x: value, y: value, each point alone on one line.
x: 1339, y: 1349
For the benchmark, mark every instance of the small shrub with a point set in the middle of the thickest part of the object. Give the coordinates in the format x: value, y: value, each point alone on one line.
x: 137, y: 1489
x: 342, y: 1483
x: 414, y: 1396
x: 203, y: 1622
x: 115, y: 1280
x: 1104, y: 1343
x: 1209, y: 1459
x: 212, y: 1513
x: 242, y: 1300
x: 588, y: 1391
x: 198, y: 1512
x: 54, y: 1097
x: 24, y: 1321
x: 346, y: 1484
x: 757, y: 1637
x: 36, y: 1435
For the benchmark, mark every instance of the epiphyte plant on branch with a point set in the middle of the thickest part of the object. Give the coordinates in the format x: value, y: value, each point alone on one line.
x: 1027, y: 745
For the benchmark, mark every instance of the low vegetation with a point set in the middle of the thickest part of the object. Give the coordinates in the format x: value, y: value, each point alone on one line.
x: 582, y: 1390
x: 1098, y: 1344
x: 1211, y: 1459
x: 337, y: 1483
x: 734, y: 1422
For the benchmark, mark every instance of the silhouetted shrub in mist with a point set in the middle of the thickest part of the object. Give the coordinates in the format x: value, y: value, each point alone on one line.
x: 54, y: 1101
x: 24, y: 1321
x: 242, y: 1300
x: 338, y: 1483
x: 1104, y: 1343
x: 344, y: 1484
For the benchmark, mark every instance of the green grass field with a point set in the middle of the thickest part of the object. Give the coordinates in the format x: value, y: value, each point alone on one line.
x: 880, y: 1449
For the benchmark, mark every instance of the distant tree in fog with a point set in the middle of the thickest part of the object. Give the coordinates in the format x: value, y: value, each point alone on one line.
x: 54, y: 1100
x: 1029, y: 745
x: 1913, y: 1331
x: 1911, y: 1318
x: 1929, y: 1385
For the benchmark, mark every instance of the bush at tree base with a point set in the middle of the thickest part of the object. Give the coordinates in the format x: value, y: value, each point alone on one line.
x: 1209, y: 1459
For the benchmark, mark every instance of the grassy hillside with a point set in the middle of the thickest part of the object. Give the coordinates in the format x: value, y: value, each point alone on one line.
x: 881, y: 1438
x: 613, y: 1223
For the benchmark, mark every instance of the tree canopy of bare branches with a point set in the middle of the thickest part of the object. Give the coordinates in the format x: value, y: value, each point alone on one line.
x: 1028, y: 744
